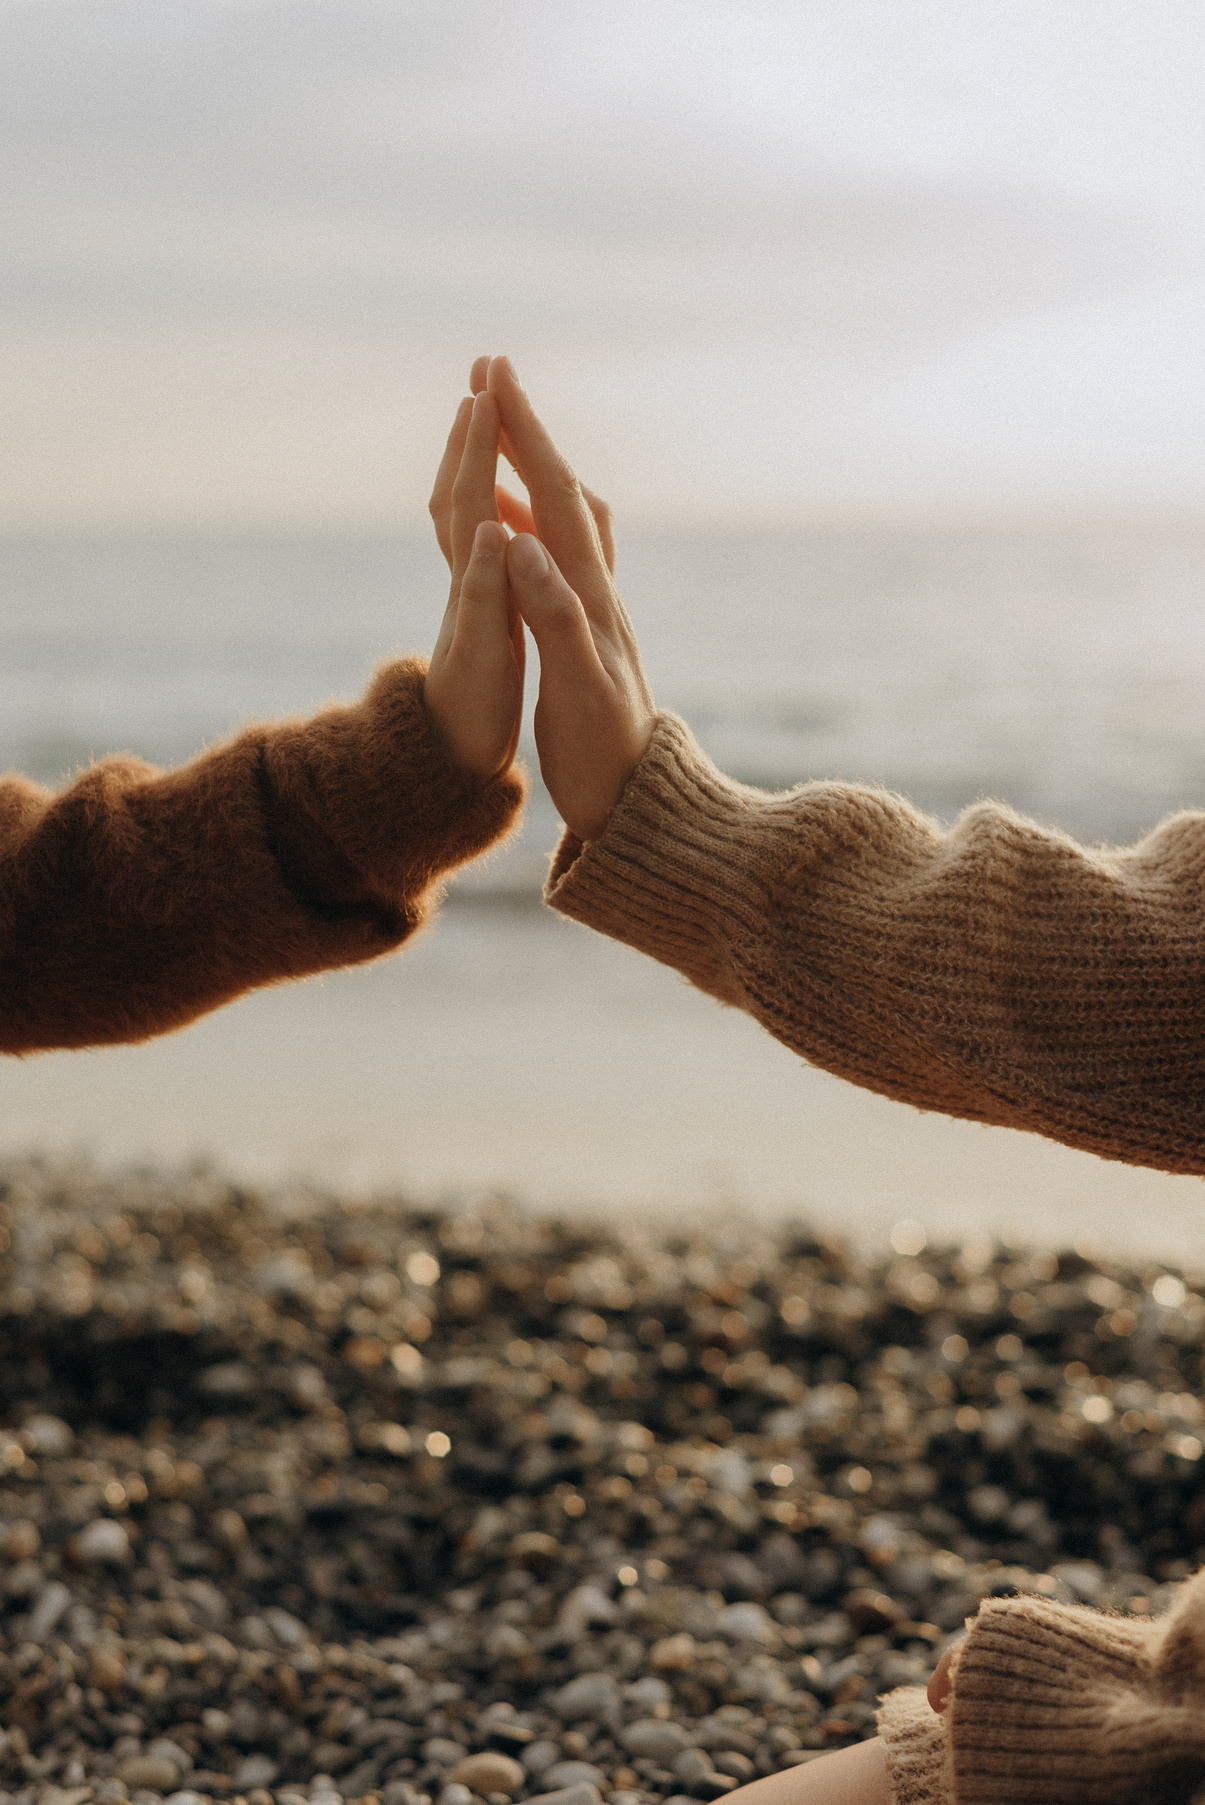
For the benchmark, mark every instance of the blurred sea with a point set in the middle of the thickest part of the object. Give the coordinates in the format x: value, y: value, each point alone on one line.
x: 1059, y: 667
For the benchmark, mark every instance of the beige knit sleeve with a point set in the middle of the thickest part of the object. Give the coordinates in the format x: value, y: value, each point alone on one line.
x: 918, y: 1755
x: 1058, y: 1705
x: 998, y: 972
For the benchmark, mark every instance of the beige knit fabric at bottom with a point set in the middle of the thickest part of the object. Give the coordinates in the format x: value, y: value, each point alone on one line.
x: 998, y: 971
x: 1059, y: 1705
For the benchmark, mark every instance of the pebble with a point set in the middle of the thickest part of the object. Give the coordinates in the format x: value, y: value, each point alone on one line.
x: 150, y: 1772
x: 654, y: 1740
x: 572, y: 1773
x: 332, y: 1502
x: 103, y: 1540
x: 581, y: 1794
x: 491, y: 1772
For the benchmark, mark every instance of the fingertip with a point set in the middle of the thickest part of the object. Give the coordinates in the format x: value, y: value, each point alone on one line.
x: 485, y: 407
x: 490, y: 540
x: 502, y: 372
x: 526, y: 559
x: 479, y: 373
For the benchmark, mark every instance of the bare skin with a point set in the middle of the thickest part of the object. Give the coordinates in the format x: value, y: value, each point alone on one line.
x: 853, y: 1776
x: 474, y: 685
x: 595, y: 713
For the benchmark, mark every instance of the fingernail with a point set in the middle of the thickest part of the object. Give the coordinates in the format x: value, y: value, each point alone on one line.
x: 510, y: 369
x: 490, y: 539
x: 527, y: 558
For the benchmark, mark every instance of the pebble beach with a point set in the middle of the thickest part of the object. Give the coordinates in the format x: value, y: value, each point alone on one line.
x: 307, y: 1499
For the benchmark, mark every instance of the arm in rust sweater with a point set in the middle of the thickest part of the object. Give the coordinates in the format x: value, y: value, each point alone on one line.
x: 997, y: 972
x: 136, y: 899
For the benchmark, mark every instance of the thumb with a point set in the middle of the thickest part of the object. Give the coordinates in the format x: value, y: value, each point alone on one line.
x: 551, y: 609
x: 482, y: 617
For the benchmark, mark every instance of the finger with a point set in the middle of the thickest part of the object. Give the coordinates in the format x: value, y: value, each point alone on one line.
x: 478, y: 374
x: 473, y: 490
x: 604, y: 521
x: 560, y: 510
x: 555, y: 615
x: 514, y: 512
x: 440, y: 504
x: 483, y: 616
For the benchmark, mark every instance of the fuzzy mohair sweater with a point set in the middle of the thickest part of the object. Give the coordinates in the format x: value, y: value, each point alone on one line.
x: 1058, y: 1705
x: 998, y: 972
x: 136, y: 899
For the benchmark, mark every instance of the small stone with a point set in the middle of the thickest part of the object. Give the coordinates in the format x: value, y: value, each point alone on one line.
x: 22, y: 1541
x: 255, y: 1771
x: 690, y: 1766
x: 150, y: 1773
x: 107, y: 1668
x: 164, y: 1749
x: 535, y: 1549
x: 52, y: 1602
x: 288, y: 1630
x: 490, y: 1771
x: 443, y: 1752
x: 49, y: 1435
x: 538, y: 1757
x: 731, y: 1761
x: 564, y: 1774
x: 674, y: 1653
x: 649, y: 1739
x: 746, y: 1621
x: 582, y: 1794
x: 455, y: 1793
x: 187, y: 1798
x: 103, y: 1541
x: 591, y: 1695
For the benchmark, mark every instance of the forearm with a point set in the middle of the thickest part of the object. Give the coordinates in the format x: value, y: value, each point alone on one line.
x: 853, y: 1776
x: 136, y: 900
x: 997, y: 972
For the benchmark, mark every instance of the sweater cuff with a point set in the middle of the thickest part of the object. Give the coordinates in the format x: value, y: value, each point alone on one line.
x: 918, y: 1755
x: 365, y: 801
x: 675, y: 872
x: 1047, y: 1704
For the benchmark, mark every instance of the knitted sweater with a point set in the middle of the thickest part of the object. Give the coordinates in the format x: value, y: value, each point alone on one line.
x: 998, y: 972
x: 135, y: 900
x: 1056, y: 1705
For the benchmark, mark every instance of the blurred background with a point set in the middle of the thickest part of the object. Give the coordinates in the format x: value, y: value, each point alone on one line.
x: 879, y: 324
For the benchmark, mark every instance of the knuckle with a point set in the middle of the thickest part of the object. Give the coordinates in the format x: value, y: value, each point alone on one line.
x: 565, y: 478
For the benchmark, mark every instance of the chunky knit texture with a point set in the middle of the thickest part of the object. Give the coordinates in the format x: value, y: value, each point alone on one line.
x: 998, y: 972
x: 135, y: 900
x: 1057, y: 1705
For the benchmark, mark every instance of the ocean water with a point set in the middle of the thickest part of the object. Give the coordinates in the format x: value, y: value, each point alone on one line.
x: 1060, y: 667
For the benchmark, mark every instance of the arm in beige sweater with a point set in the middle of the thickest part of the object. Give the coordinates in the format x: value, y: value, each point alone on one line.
x: 1057, y: 1705
x: 136, y: 899
x: 997, y: 972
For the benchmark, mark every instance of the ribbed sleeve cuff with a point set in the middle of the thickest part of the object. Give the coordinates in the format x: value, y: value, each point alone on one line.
x: 679, y: 871
x: 1046, y: 1707
x: 918, y: 1756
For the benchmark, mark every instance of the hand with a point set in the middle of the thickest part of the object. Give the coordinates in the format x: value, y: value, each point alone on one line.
x: 595, y: 713
x: 474, y: 685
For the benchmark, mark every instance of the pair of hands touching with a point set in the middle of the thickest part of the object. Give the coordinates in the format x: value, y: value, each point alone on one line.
x: 595, y: 712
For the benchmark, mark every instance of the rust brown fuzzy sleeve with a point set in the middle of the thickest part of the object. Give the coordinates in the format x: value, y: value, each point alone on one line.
x: 998, y: 972
x: 136, y: 899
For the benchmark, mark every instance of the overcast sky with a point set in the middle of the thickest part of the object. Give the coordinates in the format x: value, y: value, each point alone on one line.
x: 753, y: 259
